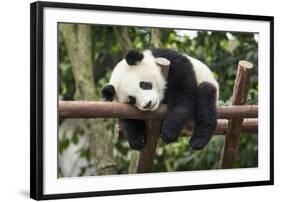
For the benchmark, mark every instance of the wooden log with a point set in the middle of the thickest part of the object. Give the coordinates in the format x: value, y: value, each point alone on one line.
x: 147, y: 154
x: 239, y: 97
x: 248, y: 126
x: 93, y: 109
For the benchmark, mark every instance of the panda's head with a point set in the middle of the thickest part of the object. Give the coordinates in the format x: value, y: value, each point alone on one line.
x: 138, y: 80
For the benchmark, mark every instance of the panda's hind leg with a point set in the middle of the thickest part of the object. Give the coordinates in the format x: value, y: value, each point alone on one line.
x: 205, y: 116
x: 134, y: 131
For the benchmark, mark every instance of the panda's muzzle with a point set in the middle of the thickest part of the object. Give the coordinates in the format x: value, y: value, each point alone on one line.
x: 147, y: 106
x: 150, y: 106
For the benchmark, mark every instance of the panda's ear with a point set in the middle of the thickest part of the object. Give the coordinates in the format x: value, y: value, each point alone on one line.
x: 108, y: 92
x: 133, y: 57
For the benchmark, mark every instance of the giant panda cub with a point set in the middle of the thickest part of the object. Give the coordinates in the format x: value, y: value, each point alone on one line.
x: 190, y: 92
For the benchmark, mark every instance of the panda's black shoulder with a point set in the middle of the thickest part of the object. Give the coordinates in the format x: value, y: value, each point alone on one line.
x: 181, y: 78
x: 170, y: 54
x: 180, y: 67
x: 179, y: 61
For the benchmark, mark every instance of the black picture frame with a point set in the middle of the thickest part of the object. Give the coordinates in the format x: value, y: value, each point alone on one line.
x: 36, y: 98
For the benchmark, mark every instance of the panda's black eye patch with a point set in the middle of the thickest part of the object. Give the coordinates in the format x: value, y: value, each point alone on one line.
x: 132, y: 100
x: 145, y: 85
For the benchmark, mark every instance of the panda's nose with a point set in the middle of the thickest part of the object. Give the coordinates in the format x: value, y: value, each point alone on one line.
x: 147, y: 105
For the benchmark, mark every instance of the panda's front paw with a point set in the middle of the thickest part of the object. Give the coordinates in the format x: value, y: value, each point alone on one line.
x: 137, y: 143
x: 168, y: 134
x: 198, y: 142
x: 168, y: 139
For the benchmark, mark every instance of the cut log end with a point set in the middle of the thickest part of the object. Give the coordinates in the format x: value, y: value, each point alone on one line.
x: 162, y: 61
x: 245, y: 65
x: 164, y: 64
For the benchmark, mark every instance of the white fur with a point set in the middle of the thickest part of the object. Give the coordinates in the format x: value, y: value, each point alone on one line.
x: 203, y: 73
x: 126, y: 78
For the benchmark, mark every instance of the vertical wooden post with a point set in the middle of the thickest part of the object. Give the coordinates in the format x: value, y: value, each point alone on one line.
x: 147, y: 154
x: 142, y: 162
x: 239, y: 97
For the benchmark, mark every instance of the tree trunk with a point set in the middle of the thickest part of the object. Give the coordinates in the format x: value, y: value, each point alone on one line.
x: 79, y: 47
x: 155, y: 37
x: 123, y: 38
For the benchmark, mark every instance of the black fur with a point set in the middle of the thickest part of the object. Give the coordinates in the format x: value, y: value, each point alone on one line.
x: 205, y: 117
x: 134, y: 131
x: 133, y: 57
x: 185, y: 101
x: 108, y: 92
x: 180, y: 96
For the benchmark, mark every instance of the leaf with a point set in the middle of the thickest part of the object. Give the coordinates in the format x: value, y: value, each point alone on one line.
x: 63, y: 145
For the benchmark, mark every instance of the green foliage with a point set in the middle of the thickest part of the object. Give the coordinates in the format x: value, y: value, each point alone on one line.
x: 63, y: 144
x: 122, y: 155
x: 221, y: 51
x: 186, y: 158
x: 65, y: 141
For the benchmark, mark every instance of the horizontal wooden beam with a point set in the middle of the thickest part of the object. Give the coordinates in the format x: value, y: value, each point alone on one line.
x: 248, y: 126
x: 93, y: 109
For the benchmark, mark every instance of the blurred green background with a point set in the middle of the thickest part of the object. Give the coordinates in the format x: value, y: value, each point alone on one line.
x: 88, y: 147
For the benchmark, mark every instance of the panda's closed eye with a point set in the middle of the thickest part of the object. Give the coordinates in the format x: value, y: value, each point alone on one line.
x: 145, y: 85
x: 132, y: 100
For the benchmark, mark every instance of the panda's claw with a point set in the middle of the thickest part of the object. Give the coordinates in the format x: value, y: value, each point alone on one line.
x: 198, y: 143
x: 168, y: 139
x: 169, y: 132
x: 137, y: 144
